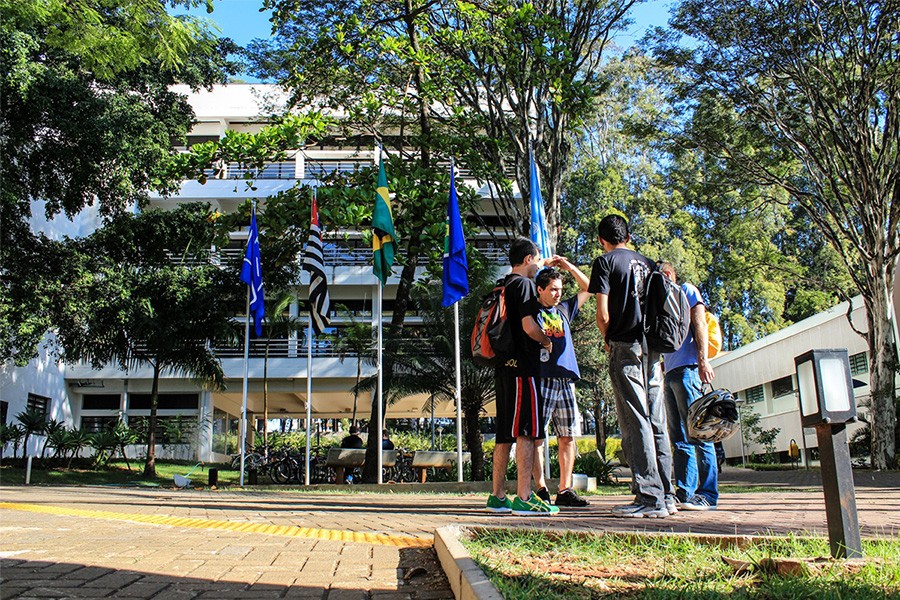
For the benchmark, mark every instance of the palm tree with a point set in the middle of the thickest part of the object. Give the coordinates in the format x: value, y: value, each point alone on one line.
x: 50, y: 428
x: 278, y: 325
x: 355, y: 340
x: 33, y: 421
x: 425, y: 364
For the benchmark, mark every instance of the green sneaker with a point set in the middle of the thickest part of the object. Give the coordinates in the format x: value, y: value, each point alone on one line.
x: 495, y: 504
x: 532, y: 506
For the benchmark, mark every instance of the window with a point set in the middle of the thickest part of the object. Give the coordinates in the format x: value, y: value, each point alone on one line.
x: 165, y: 402
x: 97, y: 424
x: 38, y: 403
x: 754, y: 394
x: 100, y: 402
x: 4, y: 410
x: 782, y: 387
x: 858, y: 364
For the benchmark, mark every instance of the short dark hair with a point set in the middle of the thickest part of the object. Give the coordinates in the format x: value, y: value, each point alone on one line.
x: 521, y: 247
x: 354, y: 429
x: 545, y: 276
x: 385, y: 432
x: 613, y: 229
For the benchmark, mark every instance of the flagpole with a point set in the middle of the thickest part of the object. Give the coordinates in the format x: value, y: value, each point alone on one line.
x: 244, y: 399
x: 459, y: 452
x: 309, y: 334
x: 380, y: 411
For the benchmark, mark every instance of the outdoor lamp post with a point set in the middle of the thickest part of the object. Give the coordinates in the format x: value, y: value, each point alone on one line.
x: 826, y: 403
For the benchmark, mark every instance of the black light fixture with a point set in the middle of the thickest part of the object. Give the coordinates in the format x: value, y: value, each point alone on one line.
x: 827, y: 403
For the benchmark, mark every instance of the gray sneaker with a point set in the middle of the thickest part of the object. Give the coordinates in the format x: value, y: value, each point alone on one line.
x: 698, y: 502
x: 636, y: 511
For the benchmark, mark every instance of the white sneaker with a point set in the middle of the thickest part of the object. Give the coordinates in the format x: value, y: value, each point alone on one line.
x: 636, y: 511
x: 671, y: 505
x: 698, y: 502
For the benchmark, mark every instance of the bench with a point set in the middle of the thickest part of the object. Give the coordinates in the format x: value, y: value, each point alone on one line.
x: 426, y: 459
x: 353, y: 458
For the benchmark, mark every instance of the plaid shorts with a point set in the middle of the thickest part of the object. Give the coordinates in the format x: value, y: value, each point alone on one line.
x: 560, y: 407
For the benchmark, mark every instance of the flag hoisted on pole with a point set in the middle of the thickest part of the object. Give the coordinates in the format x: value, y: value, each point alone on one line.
x: 319, y: 309
x: 456, y: 286
x: 538, y: 217
x: 456, y: 266
x: 314, y: 263
x: 383, y: 236
x: 542, y: 240
x: 383, y: 247
x: 251, y: 274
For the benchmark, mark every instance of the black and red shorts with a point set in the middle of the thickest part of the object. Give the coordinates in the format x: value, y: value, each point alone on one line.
x: 520, y: 409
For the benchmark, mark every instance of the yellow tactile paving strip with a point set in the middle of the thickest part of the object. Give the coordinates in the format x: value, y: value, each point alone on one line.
x: 375, y: 539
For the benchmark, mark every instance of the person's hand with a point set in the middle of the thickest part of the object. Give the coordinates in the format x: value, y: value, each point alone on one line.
x: 705, y: 371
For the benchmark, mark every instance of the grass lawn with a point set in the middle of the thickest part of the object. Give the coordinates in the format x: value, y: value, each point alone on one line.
x: 118, y: 474
x: 541, y: 565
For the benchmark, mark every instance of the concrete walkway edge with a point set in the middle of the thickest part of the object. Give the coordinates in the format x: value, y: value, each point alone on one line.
x: 467, y: 580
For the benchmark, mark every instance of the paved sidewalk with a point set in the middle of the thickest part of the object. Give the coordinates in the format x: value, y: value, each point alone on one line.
x: 61, y: 542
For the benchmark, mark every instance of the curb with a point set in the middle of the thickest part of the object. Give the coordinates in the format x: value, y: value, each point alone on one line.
x: 466, y: 578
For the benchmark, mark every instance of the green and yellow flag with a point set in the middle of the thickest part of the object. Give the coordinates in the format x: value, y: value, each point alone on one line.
x: 383, y: 236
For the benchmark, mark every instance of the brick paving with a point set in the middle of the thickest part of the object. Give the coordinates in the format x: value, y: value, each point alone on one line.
x: 109, y: 553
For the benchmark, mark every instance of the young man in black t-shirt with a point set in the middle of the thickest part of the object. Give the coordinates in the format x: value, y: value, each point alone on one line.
x: 617, y: 279
x: 519, y: 406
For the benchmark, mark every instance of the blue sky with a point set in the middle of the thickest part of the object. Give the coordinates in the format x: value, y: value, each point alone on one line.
x: 242, y: 21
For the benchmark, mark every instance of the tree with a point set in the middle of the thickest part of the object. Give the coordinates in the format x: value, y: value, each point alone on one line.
x: 86, y: 118
x: 529, y: 71
x: 805, y: 97
x: 355, y: 340
x: 146, y: 296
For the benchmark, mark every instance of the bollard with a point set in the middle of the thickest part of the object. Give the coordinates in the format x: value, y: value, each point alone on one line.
x: 28, y: 471
x: 252, y: 476
x: 213, y: 477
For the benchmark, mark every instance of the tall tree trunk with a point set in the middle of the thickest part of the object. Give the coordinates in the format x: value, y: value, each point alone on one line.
x: 150, y: 464
x: 600, y: 433
x: 883, y: 411
x: 471, y: 413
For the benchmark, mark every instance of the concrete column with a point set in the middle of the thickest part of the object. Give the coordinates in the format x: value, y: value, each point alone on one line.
x: 205, y: 427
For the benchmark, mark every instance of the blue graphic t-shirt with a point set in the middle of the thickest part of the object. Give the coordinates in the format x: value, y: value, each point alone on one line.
x: 555, y: 324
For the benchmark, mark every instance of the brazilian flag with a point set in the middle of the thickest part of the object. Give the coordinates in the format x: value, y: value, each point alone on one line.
x: 383, y: 236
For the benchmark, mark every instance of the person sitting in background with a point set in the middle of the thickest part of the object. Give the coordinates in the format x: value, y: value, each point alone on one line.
x: 386, y: 443
x: 353, y: 440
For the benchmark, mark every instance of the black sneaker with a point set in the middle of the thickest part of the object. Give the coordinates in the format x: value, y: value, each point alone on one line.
x: 543, y: 494
x: 570, y: 498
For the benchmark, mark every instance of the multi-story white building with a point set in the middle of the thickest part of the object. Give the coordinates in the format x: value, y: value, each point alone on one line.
x: 83, y: 397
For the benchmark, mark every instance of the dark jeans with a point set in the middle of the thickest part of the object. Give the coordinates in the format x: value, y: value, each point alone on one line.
x: 637, y: 380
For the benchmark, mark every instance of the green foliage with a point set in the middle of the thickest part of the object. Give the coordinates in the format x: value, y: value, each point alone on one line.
x: 11, y: 434
x: 755, y: 434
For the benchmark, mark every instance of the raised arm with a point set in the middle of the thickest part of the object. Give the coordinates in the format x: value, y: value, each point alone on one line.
x: 563, y: 263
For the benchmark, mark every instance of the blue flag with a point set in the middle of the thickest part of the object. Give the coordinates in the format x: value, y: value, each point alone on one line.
x: 251, y: 274
x: 538, y: 219
x: 456, y: 266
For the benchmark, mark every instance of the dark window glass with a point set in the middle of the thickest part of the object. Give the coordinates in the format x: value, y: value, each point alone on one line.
x: 783, y: 386
x: 40, y: 404
x: 96, y: 424
x: 858, y: 364
x: 100, y: 402
x: 165, y: 401
x: 4, y: 410
x: 755, y: 394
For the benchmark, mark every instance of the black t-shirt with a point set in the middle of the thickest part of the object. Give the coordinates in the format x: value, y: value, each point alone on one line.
x: 521, y: 301
x: 352, y: 441
x: 621, y: 274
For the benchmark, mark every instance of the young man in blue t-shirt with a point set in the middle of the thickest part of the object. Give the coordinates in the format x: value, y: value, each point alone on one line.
x: 559, y: 371
x: 687, y: 369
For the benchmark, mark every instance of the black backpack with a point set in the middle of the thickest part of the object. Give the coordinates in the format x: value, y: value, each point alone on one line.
x: 667, y: 313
